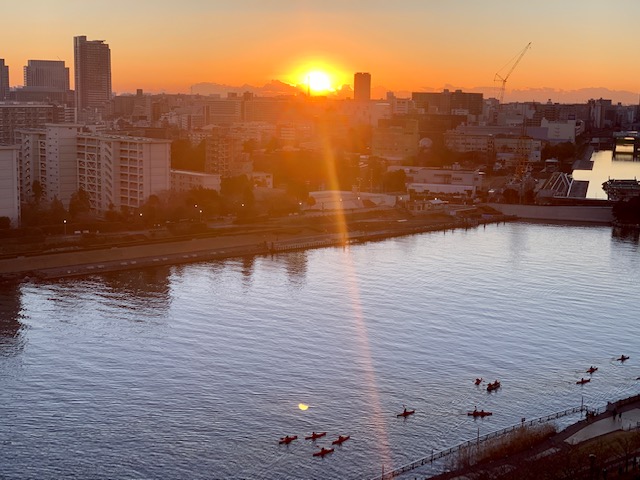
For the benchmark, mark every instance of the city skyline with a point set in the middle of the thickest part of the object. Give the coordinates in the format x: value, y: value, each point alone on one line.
x: 407, y: 46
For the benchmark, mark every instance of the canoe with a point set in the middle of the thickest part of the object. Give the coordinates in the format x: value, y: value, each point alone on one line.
x: 406, y: 413
x: 479, y: 413
x: 341, y: 439
x: 323, y: 451
x: 288, y: 439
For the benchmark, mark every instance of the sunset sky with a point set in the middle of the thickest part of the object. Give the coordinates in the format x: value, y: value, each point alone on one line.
x: 406, y: 45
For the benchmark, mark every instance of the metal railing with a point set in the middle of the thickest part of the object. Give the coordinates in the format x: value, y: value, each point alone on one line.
x: 475, y: 442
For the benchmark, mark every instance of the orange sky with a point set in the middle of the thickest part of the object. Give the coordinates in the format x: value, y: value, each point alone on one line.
x: 408, y: 45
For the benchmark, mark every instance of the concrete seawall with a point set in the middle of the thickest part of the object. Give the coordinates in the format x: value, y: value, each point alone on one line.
x: 85, y: 262
x: 558, y: 213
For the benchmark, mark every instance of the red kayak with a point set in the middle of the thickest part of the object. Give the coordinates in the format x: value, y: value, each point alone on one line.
x: 315, y: 435
x: 622, y: 358
x: 478, y: 381
x: 493, y: 386
x: 288, y: 439
x: 323, y: 451
x: 582, y: 381
x: 479, y: 413
x: 341, y: 439
x: 406, y: 413
x: 592, y: 369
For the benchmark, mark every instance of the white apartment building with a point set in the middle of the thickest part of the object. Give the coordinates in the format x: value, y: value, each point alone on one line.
x: 423, y: 180
x: 115, y: 170
x: 119, y: 171
x: 395, y: 142
x: 48, y: 156
x: 184, y: 180
x: 503, y: 146
x: 9, y: 186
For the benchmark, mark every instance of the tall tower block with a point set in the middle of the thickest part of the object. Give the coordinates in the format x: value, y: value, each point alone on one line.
x: 362, y: 87
x: 4, y: 80
x: 92, y: 62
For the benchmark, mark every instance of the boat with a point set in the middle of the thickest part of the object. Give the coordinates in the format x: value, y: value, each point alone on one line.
x: 341, y: 439
x: 478, y: 381
x: 592, y: 369
x: 405, y: 413
x: 479, y: 413
x: 622, y: 358
x: 493, y: 386
x: 322, y: 452
x: 315, y: 435
x: 582, y: 381
x: 288, y: 439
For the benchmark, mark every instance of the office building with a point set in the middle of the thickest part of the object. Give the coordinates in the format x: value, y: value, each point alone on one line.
x: 4, y: 80
x: 362, y: 87
x: 92, y: 63
x: 447, y: 102
x: 47, y: 74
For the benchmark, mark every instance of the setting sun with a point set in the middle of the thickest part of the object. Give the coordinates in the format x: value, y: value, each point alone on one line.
x: 318, y: 81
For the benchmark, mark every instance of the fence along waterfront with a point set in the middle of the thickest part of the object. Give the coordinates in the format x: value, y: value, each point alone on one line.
x: 477, y: 441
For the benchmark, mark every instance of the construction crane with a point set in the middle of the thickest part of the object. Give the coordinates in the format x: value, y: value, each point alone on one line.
x: 504, y: 79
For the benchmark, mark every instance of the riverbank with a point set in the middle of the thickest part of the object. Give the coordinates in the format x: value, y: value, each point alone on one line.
x: 583, y: 446
x: 263, y: 239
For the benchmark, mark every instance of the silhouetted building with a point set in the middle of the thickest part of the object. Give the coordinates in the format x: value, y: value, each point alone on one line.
x: 92, y: 63
x: 51, y: 74
x: 4, y: 80
x: 225, y: 155
x: 9, y: 196
x: 14, y: 116
x: 362, y: 87
x: 446, y: 102
x: 45, y: 81
x: 395, y: 140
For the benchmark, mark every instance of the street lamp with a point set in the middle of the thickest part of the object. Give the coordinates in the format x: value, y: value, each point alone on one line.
x: 65, y: 226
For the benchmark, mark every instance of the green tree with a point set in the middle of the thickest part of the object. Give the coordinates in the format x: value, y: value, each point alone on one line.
x: 79, y: 203
x: 394, y: 181
x: 38, y: 191
x: 57, y: 213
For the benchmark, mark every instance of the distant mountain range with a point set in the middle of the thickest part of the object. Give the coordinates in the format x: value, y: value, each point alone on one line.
x: 542, y: 95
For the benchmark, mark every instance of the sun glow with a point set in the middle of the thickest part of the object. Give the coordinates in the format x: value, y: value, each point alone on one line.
x: 316, y: 76
x: 318, y: 81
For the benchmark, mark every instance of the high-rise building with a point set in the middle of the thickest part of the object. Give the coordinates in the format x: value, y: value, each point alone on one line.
x: 49, y: 74
x: 92, y: 63
x: 4, y: 80
x: 362, y: 87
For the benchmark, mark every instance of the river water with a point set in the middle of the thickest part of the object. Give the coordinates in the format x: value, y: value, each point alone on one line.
x: 196, y: 371
x: 605, y: 167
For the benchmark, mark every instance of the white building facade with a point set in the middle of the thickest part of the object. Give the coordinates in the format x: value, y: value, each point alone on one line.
x: 115, y: 170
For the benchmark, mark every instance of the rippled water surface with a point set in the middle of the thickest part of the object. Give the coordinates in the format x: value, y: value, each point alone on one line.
x: 196, y: 371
